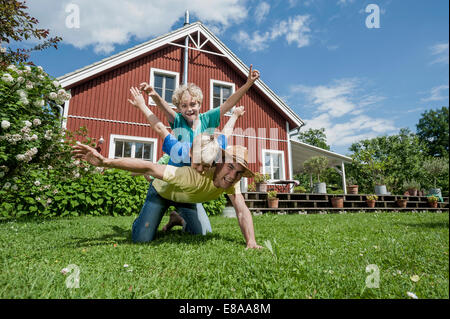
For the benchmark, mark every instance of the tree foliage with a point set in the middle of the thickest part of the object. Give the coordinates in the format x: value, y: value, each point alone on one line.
x: 314, y: 137
x: 17, y: 25
x: 432, y: 130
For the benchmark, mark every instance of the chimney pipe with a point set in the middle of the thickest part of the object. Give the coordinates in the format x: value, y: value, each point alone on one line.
x: 186, y: 17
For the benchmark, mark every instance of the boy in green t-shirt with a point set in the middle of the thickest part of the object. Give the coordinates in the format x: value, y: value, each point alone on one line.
x: 189, y: 122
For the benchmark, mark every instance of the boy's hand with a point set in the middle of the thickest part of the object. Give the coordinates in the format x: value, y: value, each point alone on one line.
x: 138, y: 98
x: 253, y: 75
x: 147, y: 89
x: 239, y: 111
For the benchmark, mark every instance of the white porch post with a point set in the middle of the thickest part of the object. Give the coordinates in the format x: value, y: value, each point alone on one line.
x: 344, y: 186
x: 291, y: 176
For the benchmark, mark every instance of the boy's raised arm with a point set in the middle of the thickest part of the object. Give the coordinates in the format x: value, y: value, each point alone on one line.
x: 162, y: 104
x: 154, y: 121
x: 253, y: 75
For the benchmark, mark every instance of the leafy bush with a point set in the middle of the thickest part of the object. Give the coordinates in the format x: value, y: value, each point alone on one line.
x: 215, y: 207
x: 115, y: 192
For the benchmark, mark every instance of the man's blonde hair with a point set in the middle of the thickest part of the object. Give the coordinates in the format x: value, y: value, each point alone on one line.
x: 205, y: 149
x: 192, y: 89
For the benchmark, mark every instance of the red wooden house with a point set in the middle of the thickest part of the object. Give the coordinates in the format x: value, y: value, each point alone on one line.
x: 100, y: 92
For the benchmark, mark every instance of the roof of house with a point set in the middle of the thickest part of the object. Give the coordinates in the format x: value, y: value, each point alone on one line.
x: 70, y: 79
x: 302, y: 152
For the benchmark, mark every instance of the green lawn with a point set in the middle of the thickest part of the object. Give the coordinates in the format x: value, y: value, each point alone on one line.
x: 315, y: 256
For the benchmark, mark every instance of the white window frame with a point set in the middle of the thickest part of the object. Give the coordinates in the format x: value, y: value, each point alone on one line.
x: 134, y: 139
x: 211, y: 93
x: 163, y: 72
x: 282, y: 168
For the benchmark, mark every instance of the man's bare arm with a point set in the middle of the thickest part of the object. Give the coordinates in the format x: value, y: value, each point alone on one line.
x: 90, y: 155
x: 245, y: 219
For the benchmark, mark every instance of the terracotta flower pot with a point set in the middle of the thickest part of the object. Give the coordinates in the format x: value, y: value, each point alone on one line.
x: 272, y: 202
x: 412, y: 192
x: 402, y: 203
x: 337, y: 202
x: 433, y: 204
x: 352, y: 189
x: 261, y: 187
x: 371, y: 203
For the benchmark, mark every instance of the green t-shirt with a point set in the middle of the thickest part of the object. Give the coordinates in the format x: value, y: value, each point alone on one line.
x: 208, y: 122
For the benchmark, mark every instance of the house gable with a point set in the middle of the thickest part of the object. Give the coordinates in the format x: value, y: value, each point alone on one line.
x: 201, y: 40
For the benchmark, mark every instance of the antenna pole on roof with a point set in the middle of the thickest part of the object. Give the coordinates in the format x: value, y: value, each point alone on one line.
x: 186, y: 50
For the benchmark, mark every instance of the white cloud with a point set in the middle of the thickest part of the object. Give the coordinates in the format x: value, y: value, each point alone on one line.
x: 436, y: 94
x: 340, y: 108
x: 345, y: 2
x: 261, y: 11
x: 105, y: 24
x: 294, y: 30
x: 440, y: 52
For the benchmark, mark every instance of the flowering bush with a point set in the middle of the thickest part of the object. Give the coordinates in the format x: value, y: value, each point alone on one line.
x: 33, y: 147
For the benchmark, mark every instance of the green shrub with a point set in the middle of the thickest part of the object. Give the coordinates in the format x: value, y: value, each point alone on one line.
x: 215, y: 207
x: 114, y: 192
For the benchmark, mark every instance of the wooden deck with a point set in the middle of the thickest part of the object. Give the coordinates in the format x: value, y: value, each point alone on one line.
x: 295, y: 203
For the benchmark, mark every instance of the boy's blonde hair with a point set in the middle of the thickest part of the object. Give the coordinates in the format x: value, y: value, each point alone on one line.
x: 192, y: 89
x: 205, y: 149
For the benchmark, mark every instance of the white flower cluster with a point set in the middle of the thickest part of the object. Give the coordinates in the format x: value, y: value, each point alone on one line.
x: 48, y: 135
x: 7, y: 78
x: 59, y: 97
x: 5, y: 124
x: 28, y: 156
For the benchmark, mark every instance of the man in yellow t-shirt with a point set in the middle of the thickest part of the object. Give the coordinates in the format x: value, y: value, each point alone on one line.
x: 183, y: 187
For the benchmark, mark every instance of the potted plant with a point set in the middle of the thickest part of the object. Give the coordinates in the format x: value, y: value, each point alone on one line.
x: 435, y: 167
x: 433, y: 201
x: 337, y: 202
x: 411, y: 187
x: 251, y: 187
x: 402, y: 202
x: 260, y: 182
x: 272, y: 199
x: 352, y: 187
x: 299, y: 189
x: 317, y: 165
x: 371, y: 200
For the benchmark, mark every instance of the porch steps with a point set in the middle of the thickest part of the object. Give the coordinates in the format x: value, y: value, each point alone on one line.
x: 307, y: 203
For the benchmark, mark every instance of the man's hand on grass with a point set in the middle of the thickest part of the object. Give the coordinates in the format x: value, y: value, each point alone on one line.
x: 253, y: 246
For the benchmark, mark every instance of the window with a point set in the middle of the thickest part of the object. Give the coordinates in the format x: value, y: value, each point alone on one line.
x: 273, y: 164
x: 165, y: 83
x: 220, y: 92
x: 133, y: 147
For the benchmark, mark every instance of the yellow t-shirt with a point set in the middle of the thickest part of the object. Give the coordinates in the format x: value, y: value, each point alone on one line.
x: 186, y: 185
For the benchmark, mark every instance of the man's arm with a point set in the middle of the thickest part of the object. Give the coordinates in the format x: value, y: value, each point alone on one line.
x: 134, y: 165
x: 154, y: 121
x: 245, y: 219
x: 162, y: 104
x: 234, y: 99
x: 229, y: 127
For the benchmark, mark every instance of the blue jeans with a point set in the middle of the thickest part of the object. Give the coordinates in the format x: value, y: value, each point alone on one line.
x: 145, y: 226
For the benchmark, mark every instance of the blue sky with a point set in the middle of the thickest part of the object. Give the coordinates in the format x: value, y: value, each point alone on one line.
x: 318, y: 55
